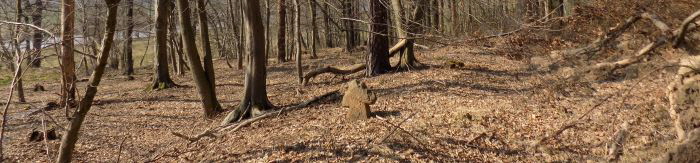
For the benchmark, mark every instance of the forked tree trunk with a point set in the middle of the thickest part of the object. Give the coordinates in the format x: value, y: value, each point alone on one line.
x: 161, y: 78
x: 65, y: 153
x: 67, y: 60
x: 407, y: 60
x: 255, y: 95
x: 127, y: 56
x: 281, y: 34
x: 378, y: 57
x: 210, y: 104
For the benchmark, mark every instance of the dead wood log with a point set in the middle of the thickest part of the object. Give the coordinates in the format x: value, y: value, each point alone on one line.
x: 333, y: 70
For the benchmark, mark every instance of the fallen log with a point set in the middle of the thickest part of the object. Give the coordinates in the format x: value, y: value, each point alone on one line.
x: 333, y: 70
x: 598, y: 45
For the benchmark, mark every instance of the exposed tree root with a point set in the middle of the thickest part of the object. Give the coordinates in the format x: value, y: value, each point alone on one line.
x: 231, y: 127
x: 333, y: 70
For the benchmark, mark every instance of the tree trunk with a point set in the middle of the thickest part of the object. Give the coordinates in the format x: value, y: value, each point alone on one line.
x: 37, y: 17
x: 161, y: 78
x: 68, y: 69
x: 378, y: 57
x: 241, y: 39
x: 314, y: 29
x: 255, y: 95
x: 349, y: 26
x: 206, y: 46
x: 297, y: 39
x: 127, y: 56
x: 68, y: 141
x: 407, y: 59
x: 210, y: 104
x: 267, y: 31
x: 281, y: 34
x: 327, y: 25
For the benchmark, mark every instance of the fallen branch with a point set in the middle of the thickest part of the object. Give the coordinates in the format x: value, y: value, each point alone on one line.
x: 333, y: 70
x: 684, y: 28
x: 598, y: 45
x: 333, y: 95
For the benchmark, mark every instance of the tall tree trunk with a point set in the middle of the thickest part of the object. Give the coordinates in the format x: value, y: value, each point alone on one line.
x: 435, y: 7
x: 161, y: 77
x: 242, y: 50
x: 314, y: 28
x: 128, y: 57
x: 297, y: 39
x: 378, y: 57
x: 255, y: 97
x: 349, y: 25
x: 206, y: 45
x: 68, y: 68
x: 327, y: 25
x: 407, y: 59
x: 281, y: 34
x: 37, y: 17
x: 210, y: 104
x: 65, y: 153
x: 18, y: 52
x: 267, y: 31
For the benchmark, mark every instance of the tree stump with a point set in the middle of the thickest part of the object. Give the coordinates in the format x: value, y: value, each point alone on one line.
x: 358, y: 98
x: 683, y: 93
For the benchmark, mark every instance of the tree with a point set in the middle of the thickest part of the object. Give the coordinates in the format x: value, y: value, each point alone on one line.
x: 161, y: 78
x: 37, y: 17
x: 314, y: 29
x: 65, y: 153
x: 127, y: 55
x: 205, y: 86
x: 350, y: 34
x: 378, y: 57
x: 297, y: 39
x: 206, y: 46
x: 407, y: 57
x: 255, y: 86
x: 281, y: 42
x: 67, y: 45
x: 18, y: 54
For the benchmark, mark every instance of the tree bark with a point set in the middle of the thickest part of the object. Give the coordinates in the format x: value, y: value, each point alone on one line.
x: 349, y: 26
x: 378, y: 57
x: 281, y: 34
x: 255, y: 95
x: 127, y: 56
x: 327, y: 25
x: 37, y: 17
x: 407, y: 59
x: 206, y: 46
x: 210, y: 104
x: 161, y: 78
x: 314, y: 28
x: 65, y: 153
x: 18, y: 52
x: 297, y: 39
x: 67, y: 60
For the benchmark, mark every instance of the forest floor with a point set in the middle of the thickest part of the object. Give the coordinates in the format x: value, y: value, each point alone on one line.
x: 489, y: 110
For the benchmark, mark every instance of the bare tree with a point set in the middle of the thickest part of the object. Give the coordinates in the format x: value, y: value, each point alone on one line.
x: 255, y: 98
x: 65, y: 153
x: 206, y: 46
x: 297, y: 39
x: 161, y: 77
x: 205, y: 86
x: 127, y: 54
x: 281, y: 34
x: 314, y: 28
x: 67, y: 60
x: 37, y: 17
x: 378, y: 57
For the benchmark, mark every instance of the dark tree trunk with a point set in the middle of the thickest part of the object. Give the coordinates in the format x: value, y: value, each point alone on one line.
x: 37, y: 17
x: 327, y: 25
x: 161, y: 78
x: 350, y: 34
x: 127, y: 56
x: 378, y: 57
x: 210, y: 104
x: 281, y: 34
x: 255, y: 95
x: 314, y: 29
